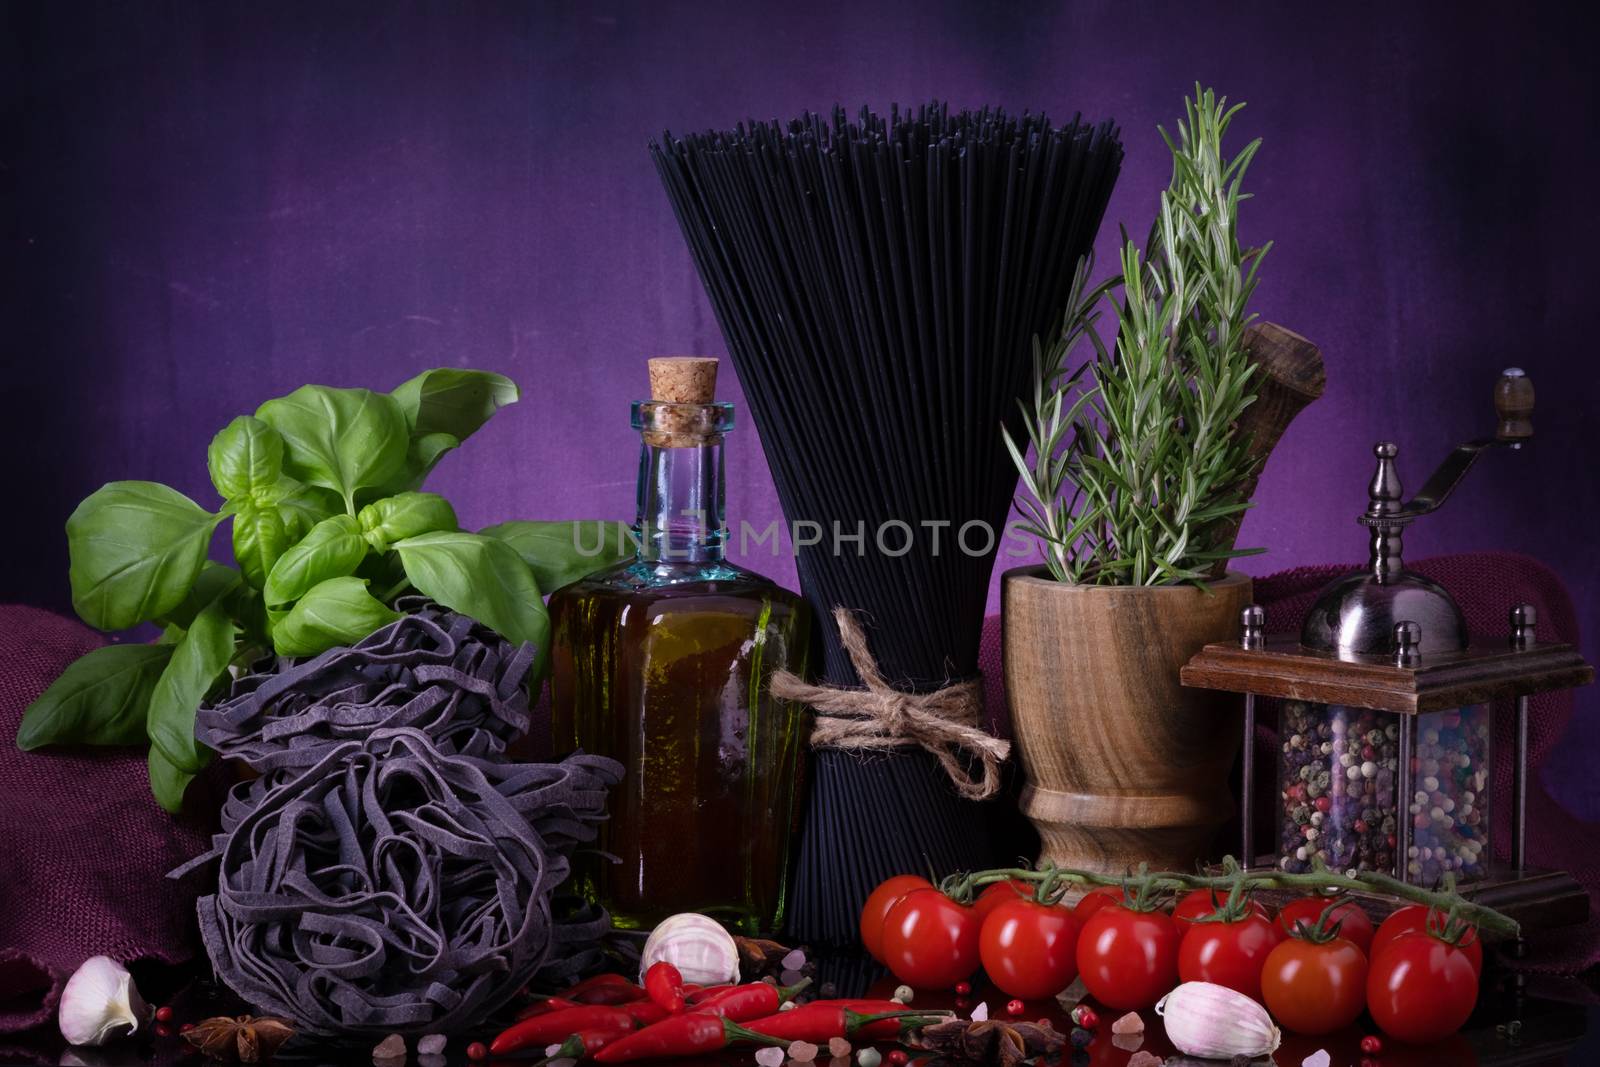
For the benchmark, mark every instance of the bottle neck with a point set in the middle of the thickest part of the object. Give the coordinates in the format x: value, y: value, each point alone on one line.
x: 681, y: 511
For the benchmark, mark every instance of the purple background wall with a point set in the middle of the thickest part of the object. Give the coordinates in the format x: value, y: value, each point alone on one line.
x: 207, y: 205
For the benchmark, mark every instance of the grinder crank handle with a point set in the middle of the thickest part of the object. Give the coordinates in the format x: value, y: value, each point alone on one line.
x: 1513, y: 404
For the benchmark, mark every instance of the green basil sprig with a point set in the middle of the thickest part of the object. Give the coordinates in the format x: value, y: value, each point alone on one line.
x: 329, y: 529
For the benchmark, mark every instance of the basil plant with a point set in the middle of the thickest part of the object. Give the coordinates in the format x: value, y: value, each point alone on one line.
x: 321, y: 490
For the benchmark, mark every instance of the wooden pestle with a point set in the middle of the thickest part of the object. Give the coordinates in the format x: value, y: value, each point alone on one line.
x: 1289, y: 375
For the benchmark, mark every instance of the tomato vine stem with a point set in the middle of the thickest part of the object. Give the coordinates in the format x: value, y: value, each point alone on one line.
x: 961, y: 886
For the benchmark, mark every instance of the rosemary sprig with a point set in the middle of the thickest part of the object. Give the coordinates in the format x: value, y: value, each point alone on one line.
x: 1138, y: 465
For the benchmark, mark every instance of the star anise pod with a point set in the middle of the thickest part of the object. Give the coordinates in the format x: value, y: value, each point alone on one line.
x: 991, y: 1042
x: 245, y: 1038
x: 757, y: 952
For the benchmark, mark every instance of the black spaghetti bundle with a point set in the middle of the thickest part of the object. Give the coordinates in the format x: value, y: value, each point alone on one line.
x: 879, y: 284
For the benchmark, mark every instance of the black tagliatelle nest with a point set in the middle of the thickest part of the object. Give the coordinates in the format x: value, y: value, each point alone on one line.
x: 433, y: 670
x: 391, y: 886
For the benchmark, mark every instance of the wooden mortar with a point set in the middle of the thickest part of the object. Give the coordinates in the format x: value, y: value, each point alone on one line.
x: 1124, y: 765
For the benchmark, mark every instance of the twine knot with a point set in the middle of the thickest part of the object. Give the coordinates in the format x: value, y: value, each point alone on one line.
x: 947, y: 722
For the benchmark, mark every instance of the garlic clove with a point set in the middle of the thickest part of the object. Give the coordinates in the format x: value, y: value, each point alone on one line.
x: 703, y: 952
x: 1215, y: 1022
x: 100, y: 1002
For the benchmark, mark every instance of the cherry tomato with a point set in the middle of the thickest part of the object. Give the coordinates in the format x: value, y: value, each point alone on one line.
x: 1228, y: 954
x: 1128, y: 959
x: 1029, y: 950
x: 1413, y: 918
x: 1097, y: 898
x: 1421, y: 989
x: 930, y: 941
x: 999, y: 893
x: 1314, y: 989
x: 873, y: 912
x: 1354, y: 926
x: 1198, y: 903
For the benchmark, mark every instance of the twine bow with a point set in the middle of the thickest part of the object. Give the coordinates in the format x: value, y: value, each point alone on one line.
x: 946, y: 722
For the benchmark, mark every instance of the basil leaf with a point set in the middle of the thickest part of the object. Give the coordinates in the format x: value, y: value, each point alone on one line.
x: 482, y: 577
x: 394, y: 518
x: 168, y: 782
x: 427, y: 450
x: 422, y: 456
x: 453, y: 401
x: 333, y: 549
x: 302, y: 506
x: 100, y: 699
x: 559, y: 553
x: 442, y: 408
x: 198, y: 662
x: 340, y: 439
x: 136, y: 548
x: 244, y: 604
x: 385, y: 575
x: 214, y: 581
x: 245, y: 457
x: 260, y: 536
x: 336, y: 612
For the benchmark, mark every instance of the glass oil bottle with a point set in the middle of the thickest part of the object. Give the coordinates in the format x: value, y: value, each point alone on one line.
x: 663, y: 663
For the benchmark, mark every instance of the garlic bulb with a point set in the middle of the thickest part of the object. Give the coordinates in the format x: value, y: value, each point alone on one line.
x: 99, y: 1001
x: 700, y: 948
x: 1215, y: 1022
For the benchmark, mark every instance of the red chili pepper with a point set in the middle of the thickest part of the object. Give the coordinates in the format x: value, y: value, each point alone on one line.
x: 688, y: 1034
x: 609, y: 994
x: 824, y: 1019
x: 548, y: 1005
x: 752, y: 1001
x: 665, y: 985
x: 703, y: 993
x: 585, y: 1043
x: 558, y: 1025
x: 597, y: 982
x: 601, y: 989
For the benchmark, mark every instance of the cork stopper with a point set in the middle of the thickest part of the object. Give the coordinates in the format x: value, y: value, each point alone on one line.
x: 683, y: 379
x: 687, y: 380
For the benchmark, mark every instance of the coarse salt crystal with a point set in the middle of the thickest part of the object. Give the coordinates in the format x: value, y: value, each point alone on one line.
x: 1319, y: 1058
x: 794, y: 960
x: 838, y: 1046
x: 1144, y: 1059
x: 431, y: 1044
x: 802, y: 1052
x: 770, y: 1057
x: 1130, y: 1023
x: 391, y: 1047
x: 981, y: 1012
x: 551, y: 1050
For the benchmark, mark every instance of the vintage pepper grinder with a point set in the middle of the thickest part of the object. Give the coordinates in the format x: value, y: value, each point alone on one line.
x: 1385, y: 705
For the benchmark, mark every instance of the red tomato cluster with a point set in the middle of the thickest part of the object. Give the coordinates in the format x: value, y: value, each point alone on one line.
x: 1314, y: 972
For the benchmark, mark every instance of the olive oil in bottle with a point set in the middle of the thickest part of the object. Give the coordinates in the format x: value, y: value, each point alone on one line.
x: 663, y: 663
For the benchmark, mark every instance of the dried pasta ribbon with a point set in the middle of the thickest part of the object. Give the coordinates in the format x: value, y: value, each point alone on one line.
x: 946, y: 722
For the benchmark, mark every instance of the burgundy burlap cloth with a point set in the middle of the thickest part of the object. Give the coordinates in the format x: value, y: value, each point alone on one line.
x: 84, y: 849
x: 1486, y: 585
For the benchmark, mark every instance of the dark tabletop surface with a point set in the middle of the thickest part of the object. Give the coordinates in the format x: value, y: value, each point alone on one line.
x: 1541, y: 1020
